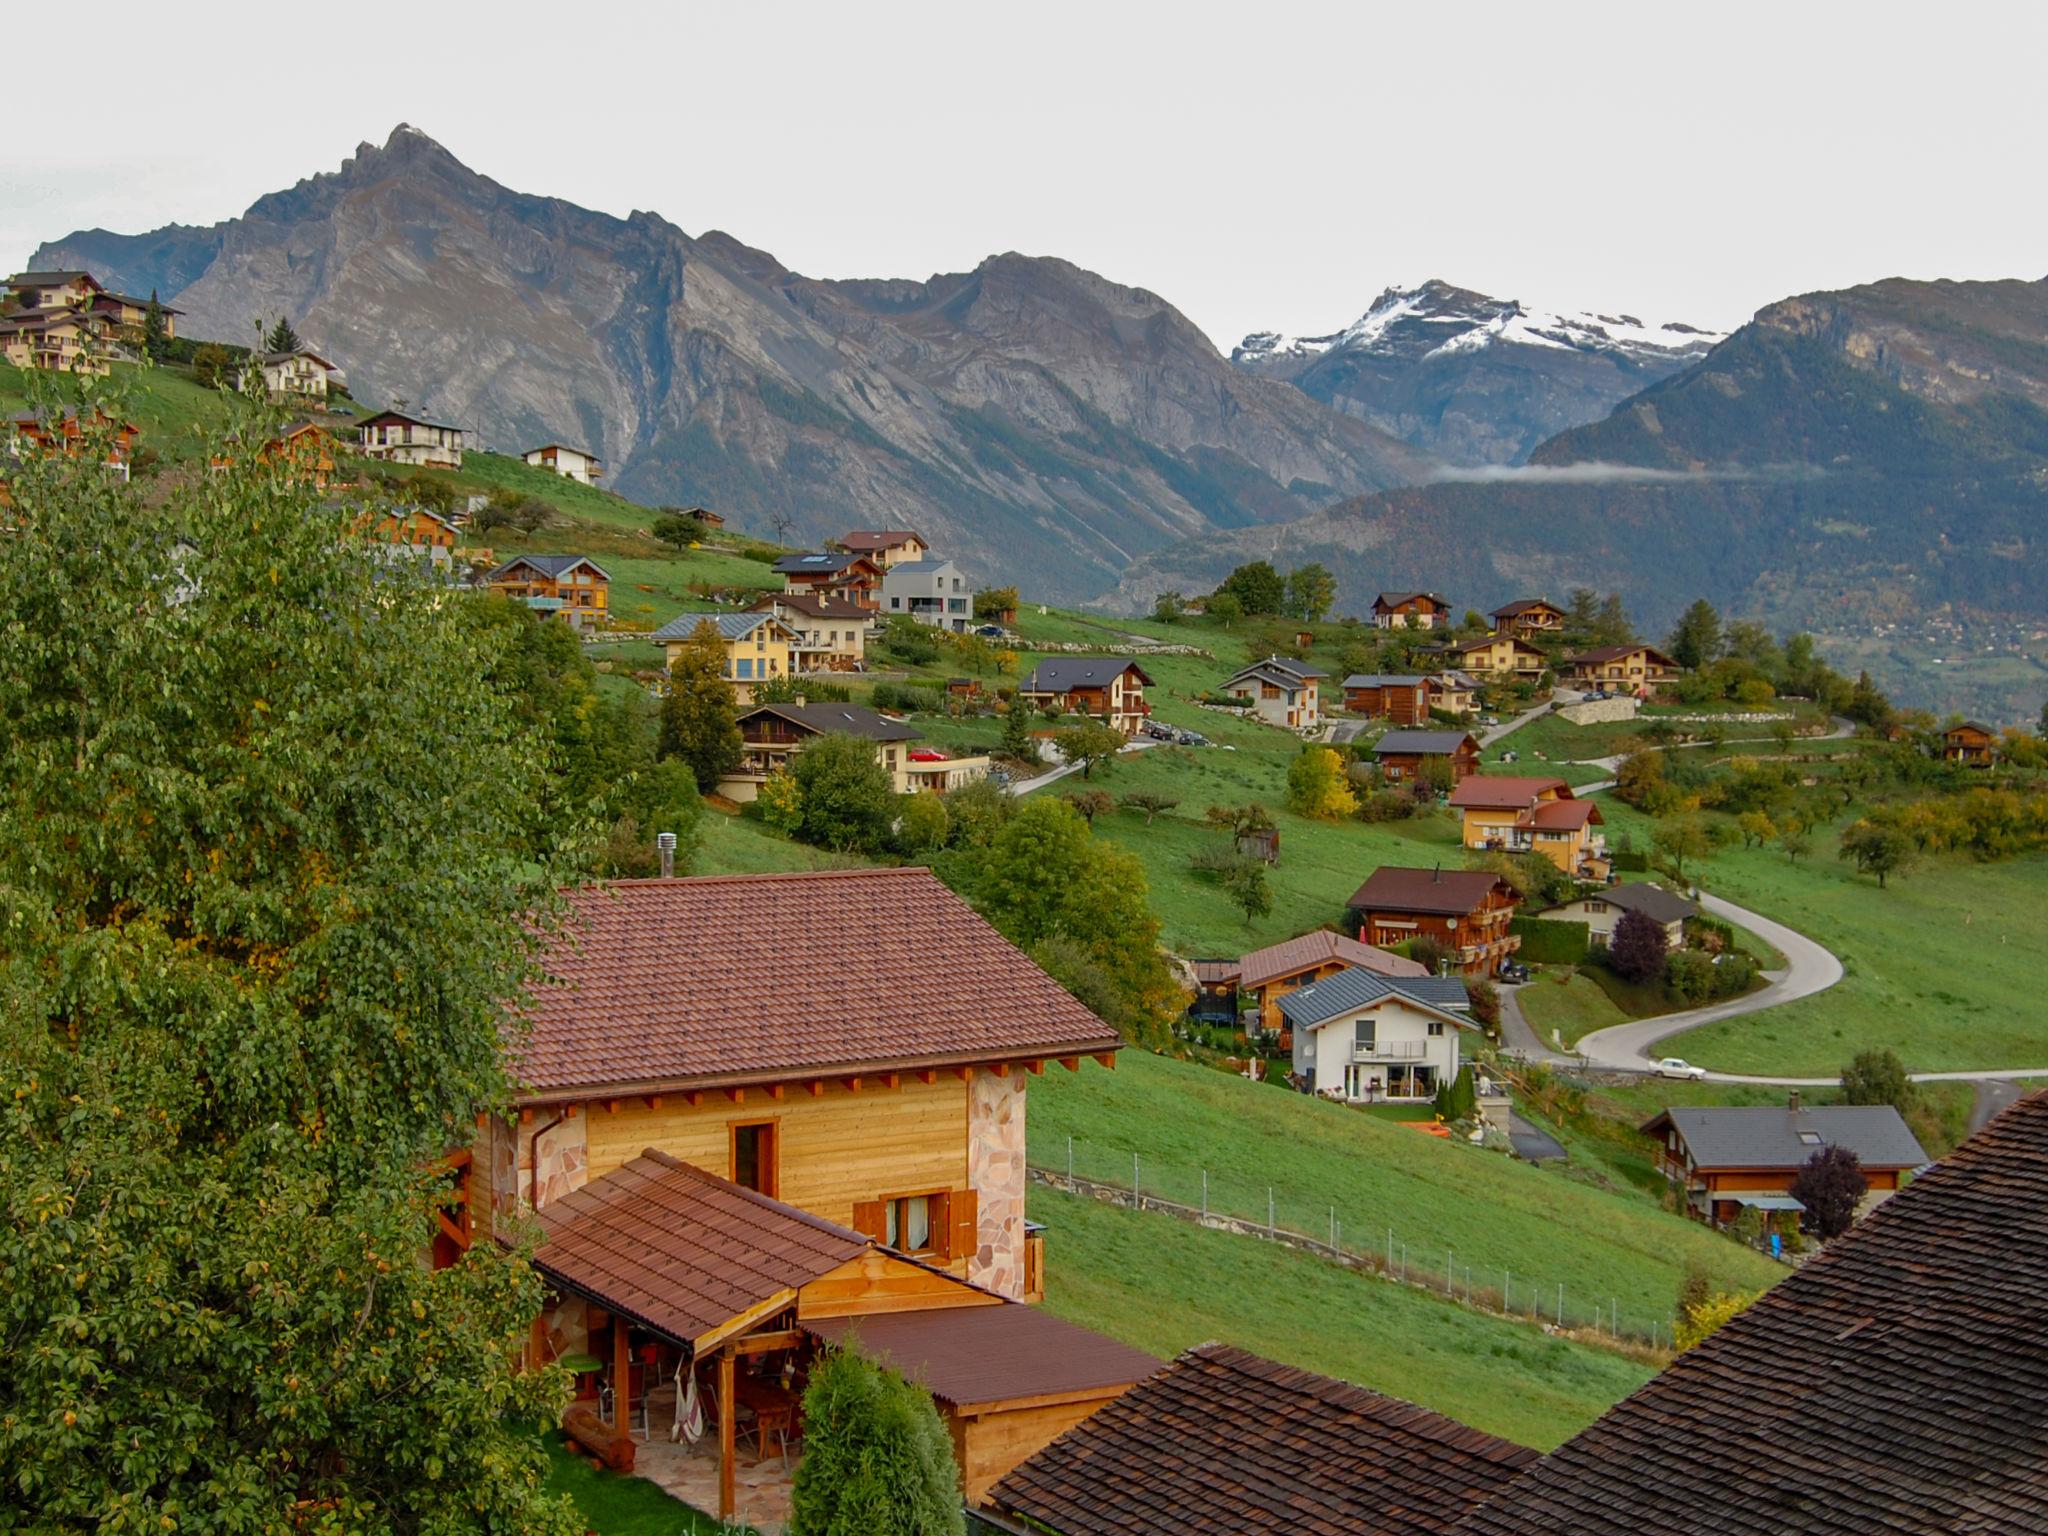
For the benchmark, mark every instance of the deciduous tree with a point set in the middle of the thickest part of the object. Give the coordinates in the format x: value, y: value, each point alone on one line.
x: 1317, y: 787
x: 1151, y: 802
x: 1091, y: 803
x: 1877, y: 848
x: 1830, y: 1184
x: 675, y: 530
x: 849, y: 802
x: 1877, y: 1076
x: 1088, y: 744
x: 697, y: 721
x: 1310, y: 591
x: 1638, y: 950
x: 923, y: 823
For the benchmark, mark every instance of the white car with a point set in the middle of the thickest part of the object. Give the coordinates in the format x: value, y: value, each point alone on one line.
x: 1678, y: 1066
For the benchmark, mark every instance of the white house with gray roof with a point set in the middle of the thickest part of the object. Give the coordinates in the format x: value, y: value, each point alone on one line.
x: 1281, y: 691
x: 1364, y: 1037
x: 930, y: 591
x: 1601, y: 910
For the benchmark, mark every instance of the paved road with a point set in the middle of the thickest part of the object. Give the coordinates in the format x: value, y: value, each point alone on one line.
x: 1054, y: 775
x: 1519, y: 1035
x: 1992, y: 1097
x: 1510, y: 726
x: 1532, y: 1143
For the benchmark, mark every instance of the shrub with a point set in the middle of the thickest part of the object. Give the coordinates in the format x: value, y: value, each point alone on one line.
x: 1458, y: 1099
x: 849, y: 801
x: 1428, y: 951
x: 780, y: 803
x: 1688, y: 976
x: 1698, y: 1318
x: 1877, y: 1077
x: 924, y: 823
x: 1550, y: 941
x: 1638, y: 951
x: 876, y: 1456
x: 1830, y: 1184
x: 1387, y: 805
x: 1316, y: 787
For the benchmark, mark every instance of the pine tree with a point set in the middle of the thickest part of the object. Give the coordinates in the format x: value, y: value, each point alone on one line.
x: 156, y: 330
x: 282, y: 337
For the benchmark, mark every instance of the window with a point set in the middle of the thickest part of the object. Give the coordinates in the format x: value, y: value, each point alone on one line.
x: 1809, y: 1138
x: 753, y: 1157
x: 908, y: 1224
x: 1436, y: 1028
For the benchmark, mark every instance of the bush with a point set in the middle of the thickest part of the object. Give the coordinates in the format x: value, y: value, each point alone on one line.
x: 849, y: 801
x: 1638, y: 951
x: 876, y: 1456
x: 1688, y: 976
x: 1428, y: 951
x: 1316, y: 787
x: 1830, y: 1184
x: 1877, y: 1077
x: 924, y: 824
x: 1459, y: 1098
x: 1484, y: 998
x: 1550, y: 941
x: 1387, y: 805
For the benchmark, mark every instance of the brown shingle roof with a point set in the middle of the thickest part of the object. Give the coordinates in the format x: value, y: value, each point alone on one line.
x: 1606, y: 653
x: 1223, y: 1443
x: 1895, y: 1383
x: 1560, y: 815
x: 683, y: 1251
x: 972, y: 1355
x: 756, y: 977
x: 813, y: 605
x: 1305, y: 951
x: 1451, y: 891
x: 1504, y: 792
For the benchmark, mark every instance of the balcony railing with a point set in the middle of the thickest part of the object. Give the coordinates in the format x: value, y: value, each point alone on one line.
x: 1391, y: 1050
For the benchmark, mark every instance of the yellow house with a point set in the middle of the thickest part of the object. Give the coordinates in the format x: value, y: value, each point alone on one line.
x: 1515, y: 815
x: 831, y: 633
x: 1497, y: 656
x: 62, y: 341
x: 757, y: 646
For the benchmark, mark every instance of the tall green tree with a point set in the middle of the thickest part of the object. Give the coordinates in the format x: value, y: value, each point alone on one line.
x: 1877, y: 848
x: 876, y: 1456
x: 697, y: 720
x: 1310, y: 591
x: 269, y: 843
x: 1257, y: 587
x: 281, y: 337
x: 156, y: 330
x: 1696, y: 640
x: 849, y: 803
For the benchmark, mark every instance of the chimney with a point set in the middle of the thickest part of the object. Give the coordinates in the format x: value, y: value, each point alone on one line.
x: 1792, y: 1101
x: 666, y: 842
x: 798, y: 700
x: 1437, y: 875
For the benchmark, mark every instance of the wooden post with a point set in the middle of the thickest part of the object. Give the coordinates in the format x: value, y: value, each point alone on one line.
x: 622, y: 1376
x: 725, y: 1436
x: 536, y: 1344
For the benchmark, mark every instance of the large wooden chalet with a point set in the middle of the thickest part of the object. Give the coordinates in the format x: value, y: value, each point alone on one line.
x: 754, y: 1108
x: 1970, y: 744
x: 1111, y: 688
x: 849, y: 578
x: 1466, y: 910
x: 1528, y: 616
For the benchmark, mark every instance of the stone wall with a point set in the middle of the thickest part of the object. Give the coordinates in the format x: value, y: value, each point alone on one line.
x: 564, y: 1156
x: 996, y: 1171
x: 1594, y: 711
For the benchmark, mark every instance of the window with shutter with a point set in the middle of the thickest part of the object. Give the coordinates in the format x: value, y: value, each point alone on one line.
x: 869, y: 1218
x: 964, y: 1207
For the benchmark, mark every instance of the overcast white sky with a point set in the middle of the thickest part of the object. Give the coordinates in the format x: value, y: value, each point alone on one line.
x: 1261, y: 165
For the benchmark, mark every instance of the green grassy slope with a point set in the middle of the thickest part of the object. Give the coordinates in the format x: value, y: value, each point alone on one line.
x: 1488, y: 1210
x: 1163, y: 1285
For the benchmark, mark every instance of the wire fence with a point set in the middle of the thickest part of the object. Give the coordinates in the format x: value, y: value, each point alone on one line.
x: 1299, y: 1220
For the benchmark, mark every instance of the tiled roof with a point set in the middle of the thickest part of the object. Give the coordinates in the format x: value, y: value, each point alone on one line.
x: 1382, y: 680
x: 1448, y: 891
x: 837, y: 718
x: 813, y: 605
x: 1504, y: 792
x: 762, y: 977
x: 869, y: 540
x: 1522, y: 605
x: 817, y: 564
x: 1651, y: 900
x: 554, y: 566
x: 683, y: 1251
x: 1422, y: 743
x: 1305, y: 951
x: 1767, y: 1136
x: 1223, y: 1443
x: 932, y: 566
x: 1607, y: 653
x: 48, y: 279
x: 1895, y: 1383
x: 1396, y: 599
x: 1308, y: 1006
x: 1559, y: 815
x: 983, y: 1354
x: 1058, y: 674
x: 730, y: 626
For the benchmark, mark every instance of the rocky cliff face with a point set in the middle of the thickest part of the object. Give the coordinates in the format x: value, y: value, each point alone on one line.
x: 1471, y: 379
x: 1038, y: 421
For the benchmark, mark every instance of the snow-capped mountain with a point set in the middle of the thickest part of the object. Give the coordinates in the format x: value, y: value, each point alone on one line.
x: 1476, y: 380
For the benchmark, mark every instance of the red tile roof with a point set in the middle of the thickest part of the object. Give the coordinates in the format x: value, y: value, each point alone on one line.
x: 972, y: 1355
x: 751, y: 978
x: 683, y: 1251
x: 1560, y: 815
x: 1503, y: 792
x: 1308, y: 950
x: 1223, y: 1443
x: 1453, y: 892
x: 1893, y: 1384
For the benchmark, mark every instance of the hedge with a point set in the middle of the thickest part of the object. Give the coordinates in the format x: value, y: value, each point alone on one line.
x: 1545, y: 941
x: 1631, y: 860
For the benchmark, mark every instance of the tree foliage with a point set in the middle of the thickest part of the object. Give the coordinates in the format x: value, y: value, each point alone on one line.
x: 1317, y: 787
x: 1018, y: 742
x: 1088, y: 744
x: 876, y: 1456
x: 991, y: 604
x: 1877, y: 848
x: 849, y: 801
x: 924, y: 823
x: 281, y: 337
x: 1311, y: 589
x: 1151, y: 802
x: 272, y: 838
x: 675, y: 529
x: 1830, y: 1184
x: 1256, y: 587
x: 1697, y: 638
x: 1877, y: 1077
x: 697, y: 720
x: 1638, y: 952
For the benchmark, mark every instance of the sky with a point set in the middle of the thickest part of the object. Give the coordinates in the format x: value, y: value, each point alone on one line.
x: 1265, y: 166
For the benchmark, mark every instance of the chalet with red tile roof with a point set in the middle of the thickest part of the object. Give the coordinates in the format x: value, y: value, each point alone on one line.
x: 1892, y: 1384
x: 846, y: 578
x: 838, y: 1059
x: 1267, y: 975
x: 1224, y: 1443
x: 1410, y: 610
x: 886, y: 546
x: 1528, y: 616
x: 1636, y: 669
x: 1504, y: 814
x: 830, y: 634
x: 1466, y: 910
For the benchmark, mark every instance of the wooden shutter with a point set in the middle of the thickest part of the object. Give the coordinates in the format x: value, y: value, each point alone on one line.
x: 868, y: 1219
x: 938, y: 1213
x: 964, y: 1208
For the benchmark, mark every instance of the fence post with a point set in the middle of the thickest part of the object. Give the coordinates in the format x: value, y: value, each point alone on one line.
x: 1070, y: 1164
x: 1560, y: 1303
x: 1615, y: 1303
x: 1338, y: 1242
x: 1333, y: 1230
x: 1272, y: 1232
x: 1205, y: 1197
x: 1390, y: 1250
x: 1450, y: 1284
x: 1404, y: 1263
x: 1137, y: 1202
x: 1507, y: 1289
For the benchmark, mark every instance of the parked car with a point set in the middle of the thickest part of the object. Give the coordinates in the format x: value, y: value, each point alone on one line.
x: 1159, y: 730
x: 1513, y: 972
x: 1678, y: 1066
x: 1489, y: 719
x: 992, y: 632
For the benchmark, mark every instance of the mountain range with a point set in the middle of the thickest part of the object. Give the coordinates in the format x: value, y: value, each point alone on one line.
x: 1472, y: 379
x: 1041, y: 422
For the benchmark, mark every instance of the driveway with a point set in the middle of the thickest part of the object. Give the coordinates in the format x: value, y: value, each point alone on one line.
x: 1054, y: 775
x: 1509, y: 727
x: 1532, y: 1144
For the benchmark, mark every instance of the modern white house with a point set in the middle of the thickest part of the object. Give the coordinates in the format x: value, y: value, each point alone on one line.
x: 930, y: 591
x: 1364, y: 1037
x: 570, y: 463
x: 1603, y: 908
x: 398, y: 438
x: 1281, y: 692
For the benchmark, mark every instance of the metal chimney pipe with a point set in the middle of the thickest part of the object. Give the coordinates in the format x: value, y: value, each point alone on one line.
x: 666, y: 842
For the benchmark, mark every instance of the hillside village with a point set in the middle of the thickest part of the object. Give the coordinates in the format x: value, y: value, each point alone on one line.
x: 1456, y: 1059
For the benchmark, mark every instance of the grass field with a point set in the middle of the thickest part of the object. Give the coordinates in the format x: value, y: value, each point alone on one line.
x: 1943, y: 967
x: 1488, y: 1210
x: 164, y: 402
x: 1164, y: 1285
x: 611, y: 1505
x: 1572, y: 1004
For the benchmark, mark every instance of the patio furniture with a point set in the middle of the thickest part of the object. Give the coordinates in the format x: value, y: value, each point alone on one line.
x: 774, y: 1411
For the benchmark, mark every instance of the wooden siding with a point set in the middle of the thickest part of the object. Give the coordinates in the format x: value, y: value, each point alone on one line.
x: 833, y: 1149
x: 881, y: 1282
x: 990, y: 1443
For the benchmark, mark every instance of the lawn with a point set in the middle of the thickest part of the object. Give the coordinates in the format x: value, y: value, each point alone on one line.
x: 1943, y: 967
x: 164, y: 402
x: 1163, y: 1285
x: 1319, y: 1159
x: 1568, y: 1005
x: 734, y: 845
x: 611, y: 1505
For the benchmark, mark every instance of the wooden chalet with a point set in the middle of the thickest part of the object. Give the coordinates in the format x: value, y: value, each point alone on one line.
x: 1501, y: 813
x: 1466, y: 910
x: 752, y: 1105
x: 886, y: 546
x: 705, y: 516
x: 1410, y: 610
x: 1726, y: 1159
x: 1265, y: 976
x: 1969, y: 744
x: 1111, y: 688
x: 578, y: 464
x: 1405, y: 755
x: 1502, y: 655
x: 308, y: 450
x: 574, y: 588
x: 851, y: 578
x: 1636, y: 669
x: 32, y: 434
x: 1403, y: 700
x: 1528, y: 616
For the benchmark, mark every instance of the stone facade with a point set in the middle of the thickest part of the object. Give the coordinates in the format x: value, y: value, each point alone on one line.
x: 1595, y: 711
x: 564, y: 1157
x: 494, y: 1176
x: 996, y: 1171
